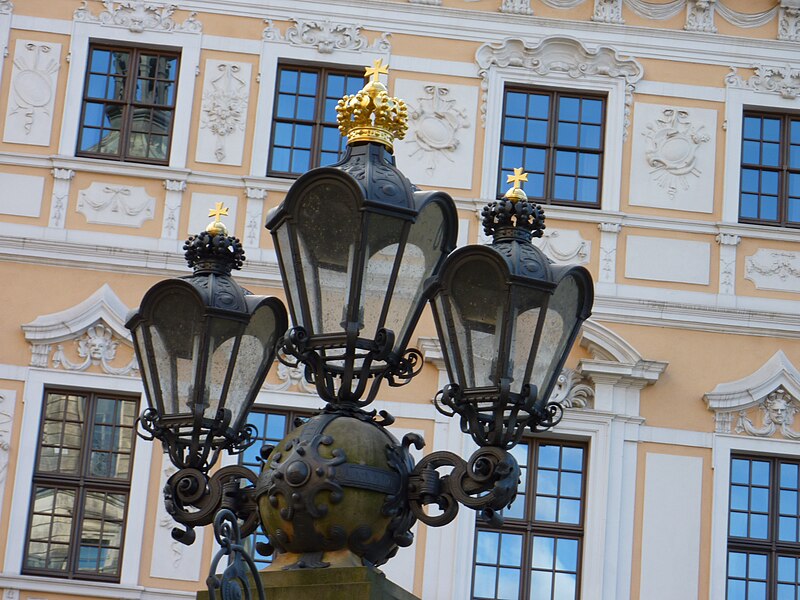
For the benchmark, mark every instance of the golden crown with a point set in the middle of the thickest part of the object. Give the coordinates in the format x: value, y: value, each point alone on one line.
x: 372, y: 115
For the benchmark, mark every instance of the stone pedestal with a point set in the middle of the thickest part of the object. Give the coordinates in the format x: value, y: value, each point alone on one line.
x: 346, y: 583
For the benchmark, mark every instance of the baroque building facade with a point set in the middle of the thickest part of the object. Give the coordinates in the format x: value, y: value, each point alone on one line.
x: 663, y: 139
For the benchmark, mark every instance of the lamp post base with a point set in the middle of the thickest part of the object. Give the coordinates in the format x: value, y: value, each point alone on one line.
x: 343, y: 583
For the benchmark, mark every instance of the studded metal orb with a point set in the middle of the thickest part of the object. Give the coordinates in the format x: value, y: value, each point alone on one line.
x: 334, y: 492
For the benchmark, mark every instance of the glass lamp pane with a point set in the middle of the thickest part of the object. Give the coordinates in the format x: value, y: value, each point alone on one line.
x: 526, y: 309
x: 221, y: 345
x: 477, y: 301
x: 252, y: 362
x: 421, y: 255
x: 175, y: 332
x: 327, y: 254
x: 559, y: 322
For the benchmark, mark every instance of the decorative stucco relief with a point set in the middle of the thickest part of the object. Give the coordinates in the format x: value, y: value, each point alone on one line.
x: 516, y: 7
x: 674, y: 146
x: 784, y: 81
x: 109, y: 204
x: 6, y: 7
x: 573, y: 390
x: 700, y: 16
x: 223, y: 120
x: 138, y: 16
x: 564, y: 246
x: 34, y: 78
x: 789, y: 20
x: 608, y: 11
x: 774, y: 389
x: 435, y: 121
x: 172, y: 207
x: 558, y: 54
x: 327, y: 36
x: 7, y: 399
x: 254, y: 215
x: 774, y: 270
x: 290, y: 379
x: 97, y: 347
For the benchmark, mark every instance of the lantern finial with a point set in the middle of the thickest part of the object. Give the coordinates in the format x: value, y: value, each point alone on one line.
x: 514, y: 215
x: 217, y: 227
x: 372, y: 115
x: 516, y: 193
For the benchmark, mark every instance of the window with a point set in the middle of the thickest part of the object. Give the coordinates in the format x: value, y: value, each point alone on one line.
x: 272, y: 427
x: 128, y: 104
x: 305, y: 132
x: 80, y: 486
x: 763, y: 540
x: 557, y: 138
x: 537, y: 553
x: 770, y: 180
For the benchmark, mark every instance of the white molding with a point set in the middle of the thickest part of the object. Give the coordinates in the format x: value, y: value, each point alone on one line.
x: 187, y: 40
x: 88, y: 589
x: 8, y: 403
x: 557, y: 61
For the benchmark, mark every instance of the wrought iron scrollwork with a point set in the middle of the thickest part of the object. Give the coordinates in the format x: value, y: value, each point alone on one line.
x: 486, y: 483
x: 234, y: 582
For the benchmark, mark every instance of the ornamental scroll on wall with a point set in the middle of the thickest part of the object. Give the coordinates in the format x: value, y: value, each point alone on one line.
x: 763, y: 404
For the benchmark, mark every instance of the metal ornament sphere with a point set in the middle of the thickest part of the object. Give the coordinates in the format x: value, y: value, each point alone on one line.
x: 333, y: 492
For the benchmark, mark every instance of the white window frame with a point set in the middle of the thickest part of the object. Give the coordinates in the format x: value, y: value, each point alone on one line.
x: 614, y: 123
x: 86, y: 33
x: 37, y: 382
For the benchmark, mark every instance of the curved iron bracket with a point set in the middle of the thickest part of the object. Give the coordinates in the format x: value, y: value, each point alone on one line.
x: 234, y: 583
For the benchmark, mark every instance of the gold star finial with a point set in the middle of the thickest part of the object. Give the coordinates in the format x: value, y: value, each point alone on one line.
x: 216, y: 227
x: 377, y: 69
x: 517, y: 193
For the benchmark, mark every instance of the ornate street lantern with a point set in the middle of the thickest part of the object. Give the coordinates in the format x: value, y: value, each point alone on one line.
x: 507, y: 319
x: 204, y: 345
x: 356, y: 244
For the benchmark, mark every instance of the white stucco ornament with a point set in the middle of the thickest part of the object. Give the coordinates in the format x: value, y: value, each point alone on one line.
x: 435, y: 121
x: 777, y: 413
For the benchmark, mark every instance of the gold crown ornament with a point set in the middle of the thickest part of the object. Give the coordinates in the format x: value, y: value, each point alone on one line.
x: 372, y: 115
x: 217, y: 227
x: 516, y: 193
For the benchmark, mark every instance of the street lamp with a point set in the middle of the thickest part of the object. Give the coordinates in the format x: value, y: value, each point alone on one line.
x: 361, y: 251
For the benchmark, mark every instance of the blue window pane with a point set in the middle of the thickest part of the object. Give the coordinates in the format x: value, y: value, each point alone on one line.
x: 789, y: 472
x: 794, y: 186
x: 569, y: 511
x: 788, y: 502
x: 794, y: 157
x: 749, y: 207
x: 514, y: 129
x: 756, y: 590
x: 276, y: 427
x: 770, y: 154
x: 589, y: 165
x: 515, y: 104
x: 737, y: 564
x: 569, y: 109
x: 592, y: 111
x: 772, y: 130
x: 251, y: 454
x: 590, y: 136
x: 750, y: 152
x: 331, y: 138
x: 758, y: 526
x: 485, y: 580
x: 354, y: 84
x: 786, y: 592
x: 739, y: 497
x: 565, y: 586
x: 759, y: 499
x: 283, y: 134
x: 545, y: 509
x: 587, y: 190
x: 740, y: 471
x: 288, y: 81
x: 305, y: 107
x: 286, y: 105
x: 335, y: 86
x: 90, y: 138
x: 547, y: 482
x: 308, y: 83
x: 567, y: 555
x: 539, y: 107
x: 572, y: 458
x: 301, y: 161
x: 536, y: 132
x: 737, y: 590
x: 280, y: 159
x: 520, y: 453
x: 511, y: 158
x: 541, y: 585
x: 94, y: 115
x: 794, y: 132
x: 571, y: 485
x: 535, y: 161
x: 760, y: 471
x: 535, y: 185
x: 302, y: 136
x: 330, y: 110
x: 487, y: 545
x: 564, y: 188
x: 787, y: 529
x: 97, y: 86
x: 566, y: 162
x: 738, y: 524
x: 508, y: 584
x: 567, y: 134
x: 749, y: 185
x: 787, y: 568
x: 100, y: 61
x: 752, y: 128
x: 794, y: 210
x: 517, y: 508
x: 328, y: 158
x: 543, y: 552
x: 769, y: 208
x: 510, y: 550
x: 549, y: 456
x: 757, y: 567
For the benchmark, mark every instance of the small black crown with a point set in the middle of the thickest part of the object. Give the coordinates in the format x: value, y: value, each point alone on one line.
x: 505, y: 216
x: 219, y: 252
